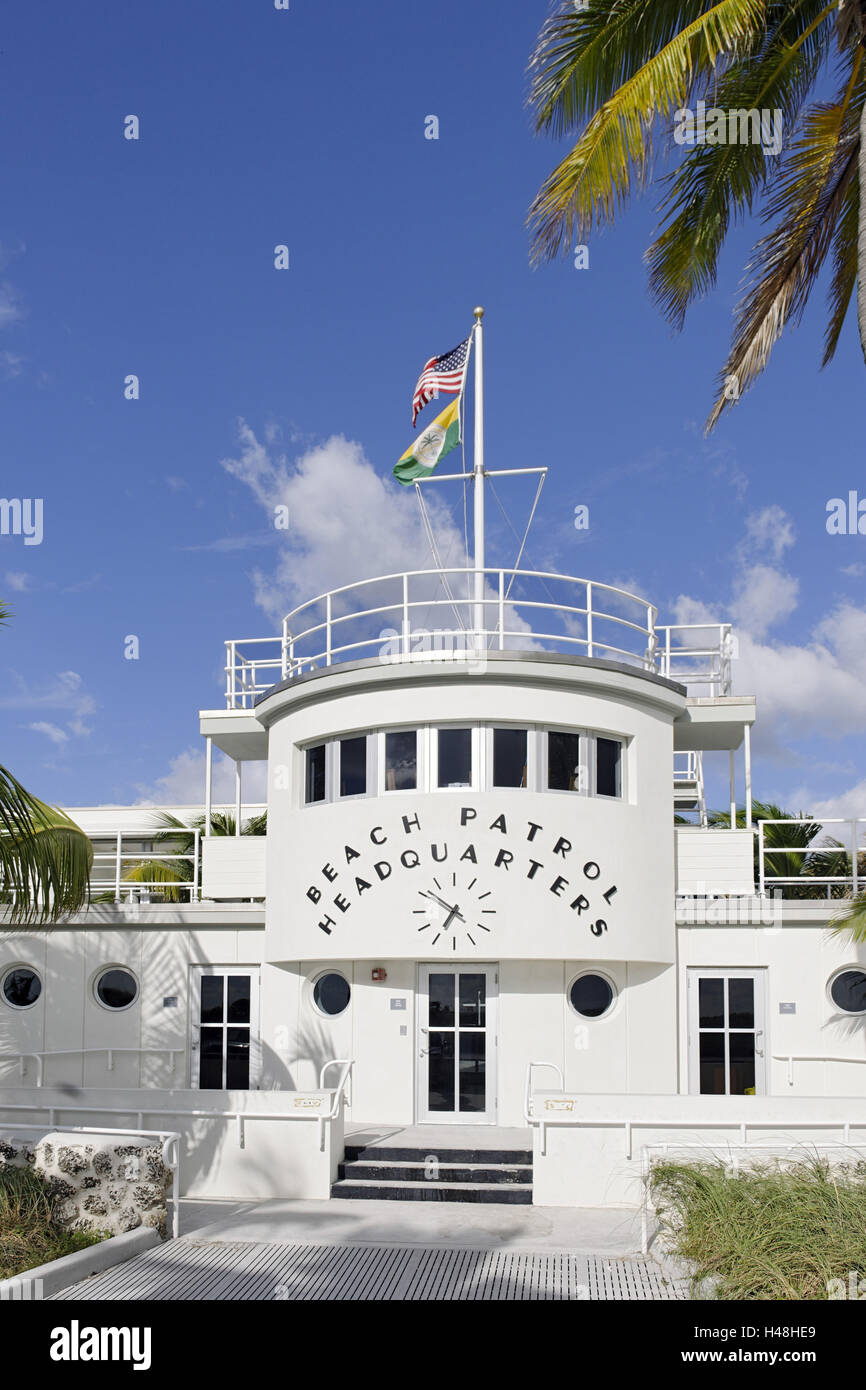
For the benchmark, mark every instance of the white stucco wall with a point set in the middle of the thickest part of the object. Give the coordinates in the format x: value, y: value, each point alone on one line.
x: 797, y: 962
x: 68, y: 1016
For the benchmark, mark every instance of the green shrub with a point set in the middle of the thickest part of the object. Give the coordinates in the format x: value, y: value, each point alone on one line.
x: 29, y: 1233
x: 769, y: 1232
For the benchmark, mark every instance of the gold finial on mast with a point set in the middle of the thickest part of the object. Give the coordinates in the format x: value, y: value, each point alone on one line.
x: 479, y: 313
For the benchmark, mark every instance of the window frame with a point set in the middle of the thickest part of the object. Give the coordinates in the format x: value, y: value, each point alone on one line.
x: 609, y: 981
x: 304, y: 749
x: 609, y: 738
x: 488, y: 732
x: 9, y: 970
x: 112, y: 1008
x: 420, y: 759
x: 371, y: 772
x: 856, y: 968
x: 322, y: 975
x: 477, y: 782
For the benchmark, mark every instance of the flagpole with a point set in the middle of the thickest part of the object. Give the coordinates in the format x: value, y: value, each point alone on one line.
x: 478, y: 473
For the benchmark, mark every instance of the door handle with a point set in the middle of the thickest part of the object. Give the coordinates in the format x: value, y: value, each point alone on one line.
x: 759, y: 1051
x: 425, y: 1052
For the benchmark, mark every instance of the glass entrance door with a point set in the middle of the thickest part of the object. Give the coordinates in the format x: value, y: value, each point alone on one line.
x: 726, y: 1032
x: 224, y: 1044
x: 457, y: 1044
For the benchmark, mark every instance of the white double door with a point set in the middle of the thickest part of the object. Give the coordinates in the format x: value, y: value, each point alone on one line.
x: 456, y: 1077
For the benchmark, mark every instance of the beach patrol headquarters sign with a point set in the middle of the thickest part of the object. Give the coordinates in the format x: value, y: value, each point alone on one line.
x: 453, y: 881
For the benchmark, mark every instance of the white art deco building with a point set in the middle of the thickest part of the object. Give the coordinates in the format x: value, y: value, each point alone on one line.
x: 488, y: 896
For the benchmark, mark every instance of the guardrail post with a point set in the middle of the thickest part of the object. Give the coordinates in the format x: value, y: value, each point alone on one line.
x: 589, y: 617
x: 854, y: 881
x: 501, y: 610
x: 761, y: 880
x: 231, y: 660
x: 117, y: 867
x: 196, y: 843
x: 404, y: 623
x: 328, y: 630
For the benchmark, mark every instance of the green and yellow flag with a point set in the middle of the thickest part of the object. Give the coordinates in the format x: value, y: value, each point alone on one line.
x: 430, y: 447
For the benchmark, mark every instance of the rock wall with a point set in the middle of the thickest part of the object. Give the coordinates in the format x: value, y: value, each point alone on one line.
x: 98, y: 1183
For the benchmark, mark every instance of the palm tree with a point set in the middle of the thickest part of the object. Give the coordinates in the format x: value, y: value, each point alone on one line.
x: 45, y: 858
x: 619, y: 71
x: 174, y: 876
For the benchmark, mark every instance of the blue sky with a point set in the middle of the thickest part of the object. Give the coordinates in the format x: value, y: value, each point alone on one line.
x: 155, y: 257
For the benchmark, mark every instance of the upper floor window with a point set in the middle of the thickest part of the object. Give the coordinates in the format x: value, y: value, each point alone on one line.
x: 353, y: 766
x: 314, y: 779
x: 454, y: 758
x: 401, y: 760
x: 566, y: 768
x: 457, y: 757
x: 509, y: 757
x: 608, y: 753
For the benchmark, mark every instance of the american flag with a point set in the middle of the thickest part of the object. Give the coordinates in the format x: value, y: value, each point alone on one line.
x: 441, y: 375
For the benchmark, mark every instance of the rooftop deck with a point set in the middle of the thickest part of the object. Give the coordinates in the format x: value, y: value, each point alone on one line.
x: 424, y: 615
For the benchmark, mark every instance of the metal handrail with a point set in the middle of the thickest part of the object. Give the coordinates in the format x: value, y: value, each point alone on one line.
x: 852, y: 878
x: 39, y: 1057
x: 671, y: 650
x: 792, y: 1057
x: 527, y: 1090
x: 247, y: 671
x: 239, y: 1116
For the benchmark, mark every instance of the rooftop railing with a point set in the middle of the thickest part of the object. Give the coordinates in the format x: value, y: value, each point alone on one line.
x: 424, y: 615
x: 834, y: 867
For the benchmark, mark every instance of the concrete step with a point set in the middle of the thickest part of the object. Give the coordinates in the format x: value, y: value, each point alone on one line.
x: 380, y: 1153
x: 512, y: 1194
x: 367, y: 1169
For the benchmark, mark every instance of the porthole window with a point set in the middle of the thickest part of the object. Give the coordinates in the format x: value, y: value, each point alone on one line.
x: 331, y: 994
x: 21, y: 987
x: 116, y: 988
x: 592, y: 996
x: 848, y: 991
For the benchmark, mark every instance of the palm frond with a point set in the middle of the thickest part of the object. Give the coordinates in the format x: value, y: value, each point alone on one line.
x: 45, y: 858
x: 851, y: 921
x: 593, y: 181
x: 845, y: 248
x: 717, y: 185
x: 811, y: 195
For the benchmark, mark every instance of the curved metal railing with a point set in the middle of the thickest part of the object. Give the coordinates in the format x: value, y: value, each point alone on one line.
x: 418, y: 615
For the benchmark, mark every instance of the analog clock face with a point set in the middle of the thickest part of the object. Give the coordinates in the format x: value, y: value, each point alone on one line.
x: 455, y: 906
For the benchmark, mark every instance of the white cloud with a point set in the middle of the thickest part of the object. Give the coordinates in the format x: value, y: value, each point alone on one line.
x: 65, y: 693
x: 849, y: 803
x: 10, y: 310
x: 17, y: 581
x: 51, y: 731
x: 344, y: 520
x: 763, y: 596
x: 769, y: 531
x: 813, y: 687
x: 183, y: 784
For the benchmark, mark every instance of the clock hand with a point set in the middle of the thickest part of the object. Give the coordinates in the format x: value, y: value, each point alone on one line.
x: 436, y: 898
x: 454, y: 911
x: 450, y: 918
